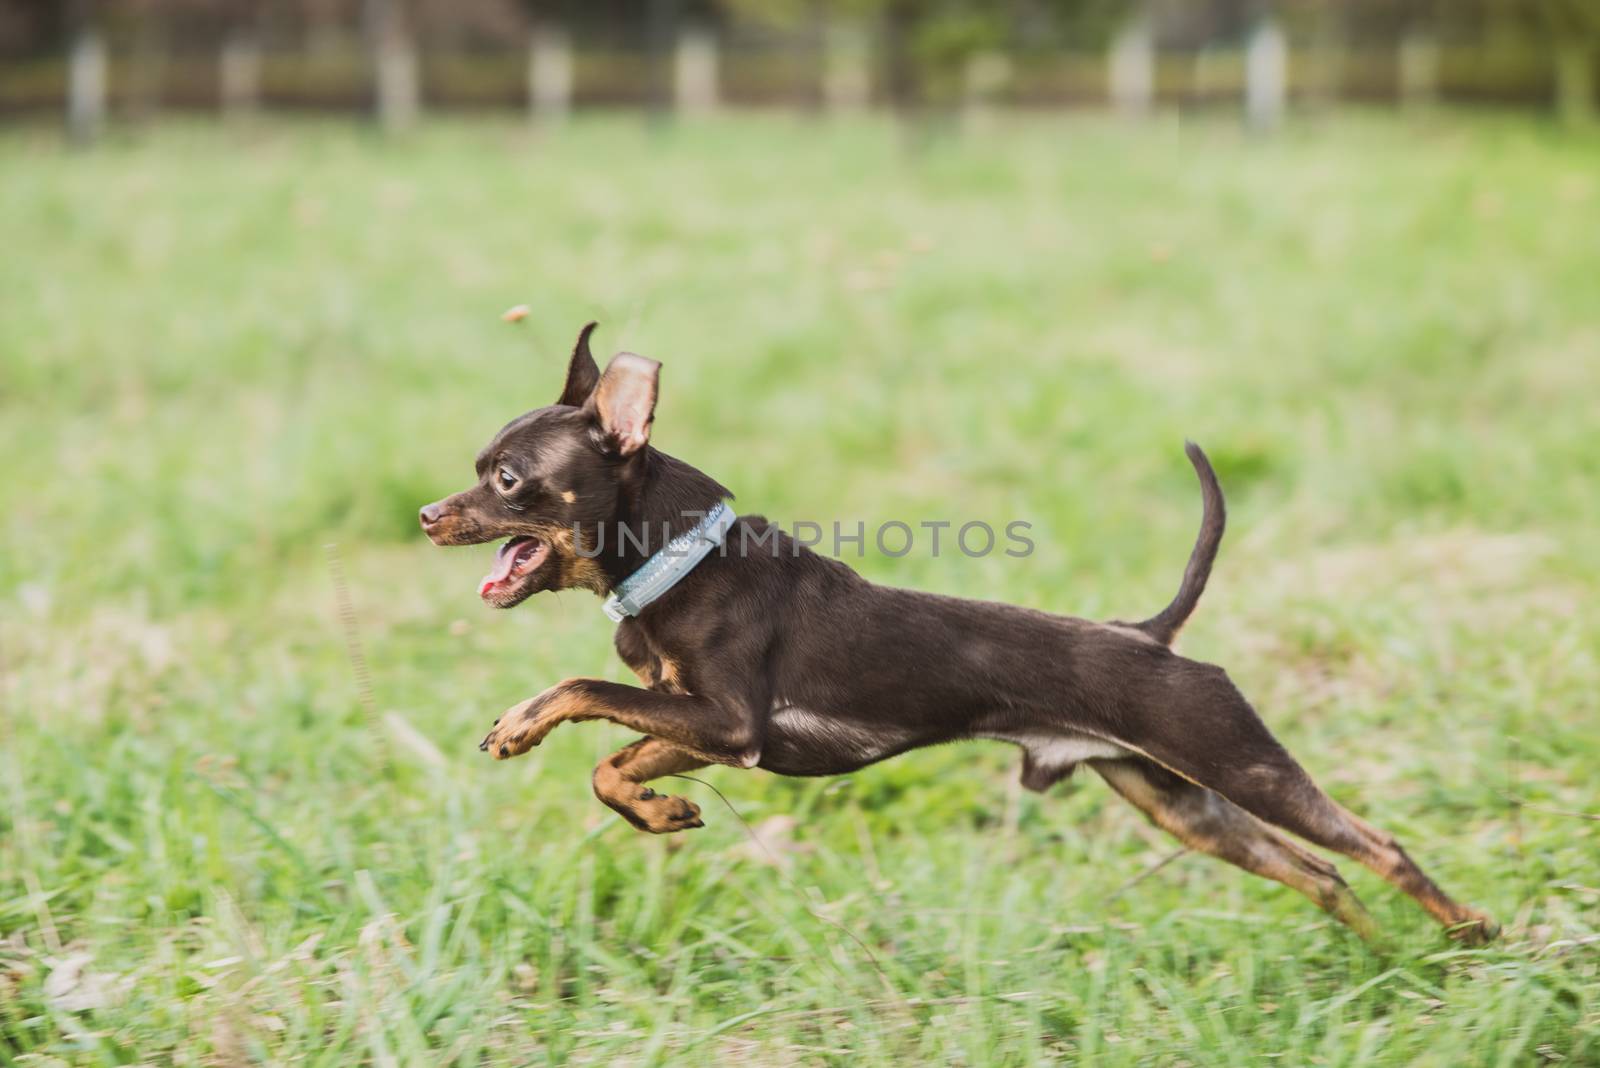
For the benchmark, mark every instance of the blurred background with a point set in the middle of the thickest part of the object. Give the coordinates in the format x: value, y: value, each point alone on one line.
x: 911, y: 261
x: 392, y: 59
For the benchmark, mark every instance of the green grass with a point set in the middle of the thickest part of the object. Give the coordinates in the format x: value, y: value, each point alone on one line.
x: 221, y: 353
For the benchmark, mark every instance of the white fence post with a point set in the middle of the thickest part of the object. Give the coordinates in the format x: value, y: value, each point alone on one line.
x: 399, y: 93
x: 982, y: 80
x: 846, y: 78
x: 550, y: 73
x: 86, y: 86
x: 1419, y: 69
x: 1266, y: 76
x: 1131, y: 68
x: 694, y: 71
x: 239, y: 74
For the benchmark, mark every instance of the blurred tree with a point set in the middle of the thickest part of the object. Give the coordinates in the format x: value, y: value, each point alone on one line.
x: 919, y: 55
x: 469, y: 23
x: 1573, y: 29
x: 661, y: 18
x: 327, y: 24
x: 1199, y: 24
x: 919, y: 41
x: 25, y: 23
x: 925, y: 45
x: 146, y: 22
x: 1091, y: 23
x: 941, y: 42
x: 1567, y: 30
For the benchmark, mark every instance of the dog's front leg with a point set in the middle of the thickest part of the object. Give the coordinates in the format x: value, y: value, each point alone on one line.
x: 721, y: 726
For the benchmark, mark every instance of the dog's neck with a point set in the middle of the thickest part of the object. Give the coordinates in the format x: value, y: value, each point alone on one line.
x: 661, y: 497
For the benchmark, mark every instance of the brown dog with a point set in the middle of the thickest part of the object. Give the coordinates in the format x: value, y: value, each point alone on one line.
x: 782, y: 659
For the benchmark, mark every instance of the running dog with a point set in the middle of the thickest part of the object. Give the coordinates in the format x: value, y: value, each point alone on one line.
x: 786, y: 660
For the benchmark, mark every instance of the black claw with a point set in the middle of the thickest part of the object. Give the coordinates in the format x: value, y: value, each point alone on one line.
x: 496, y: 723
x: 483, y: 746
x: 505, y: 750
x: 648, y: 795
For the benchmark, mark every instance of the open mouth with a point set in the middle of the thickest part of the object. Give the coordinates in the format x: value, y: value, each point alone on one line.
x: 517, y: 559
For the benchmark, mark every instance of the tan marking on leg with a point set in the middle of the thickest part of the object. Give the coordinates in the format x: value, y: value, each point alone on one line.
x: 1285, y: 795
x: 715, y: 732
x: 1208, y: 823
x: 1277, y: 790
x: 1384, y: 855
x: 618, y: 781
x: 667, y: 676
x: 525, y: 725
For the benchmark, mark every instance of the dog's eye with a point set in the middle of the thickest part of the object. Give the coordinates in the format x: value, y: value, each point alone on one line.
x: 506, y: 479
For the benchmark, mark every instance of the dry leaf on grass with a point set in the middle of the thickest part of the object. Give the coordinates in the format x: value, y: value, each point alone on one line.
x: 72, y: 988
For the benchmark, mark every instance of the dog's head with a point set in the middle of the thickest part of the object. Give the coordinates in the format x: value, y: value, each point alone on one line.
x: 551, y: 472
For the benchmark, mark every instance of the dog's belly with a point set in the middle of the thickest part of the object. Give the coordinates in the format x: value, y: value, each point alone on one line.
x: 800, y: 741
x: 1058, y: 750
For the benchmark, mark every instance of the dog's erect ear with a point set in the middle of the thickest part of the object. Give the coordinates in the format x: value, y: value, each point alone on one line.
x: 583, y: 374
x: 624, y: 403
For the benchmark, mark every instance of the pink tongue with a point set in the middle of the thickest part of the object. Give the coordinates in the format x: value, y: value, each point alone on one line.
x: 502, y: 565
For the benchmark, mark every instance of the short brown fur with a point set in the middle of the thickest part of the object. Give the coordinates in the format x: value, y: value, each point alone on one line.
x: 791, y: 662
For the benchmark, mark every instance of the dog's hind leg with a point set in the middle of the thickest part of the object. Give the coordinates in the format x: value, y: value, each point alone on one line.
x: 1282, y: 793
x: 1208, y: 823
x: 1240, y: 759
x: 619, y: 782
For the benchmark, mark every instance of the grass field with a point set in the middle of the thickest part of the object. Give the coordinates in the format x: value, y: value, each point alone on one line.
x: 220, y: 354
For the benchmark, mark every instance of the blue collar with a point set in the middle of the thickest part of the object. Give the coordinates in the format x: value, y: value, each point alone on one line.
x: 664, y: 570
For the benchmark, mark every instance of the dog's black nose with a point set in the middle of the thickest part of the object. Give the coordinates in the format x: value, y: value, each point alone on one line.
x: 430, y: 515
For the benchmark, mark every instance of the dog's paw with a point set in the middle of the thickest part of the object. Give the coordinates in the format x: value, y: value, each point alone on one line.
x: 660, y: 814
x: 514, y: 732
x: 1476, y: 930
x: 524, y: 725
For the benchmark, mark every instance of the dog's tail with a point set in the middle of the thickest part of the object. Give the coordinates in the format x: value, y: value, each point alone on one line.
x: 1164, y: 627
